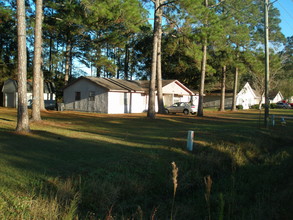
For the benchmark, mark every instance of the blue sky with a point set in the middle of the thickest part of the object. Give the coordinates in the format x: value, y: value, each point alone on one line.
x: 286, y: 14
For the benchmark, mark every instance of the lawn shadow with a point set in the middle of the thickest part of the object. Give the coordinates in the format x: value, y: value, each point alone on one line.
x: 129, y: 165
x: 5, y: 119
x: 98, y: 169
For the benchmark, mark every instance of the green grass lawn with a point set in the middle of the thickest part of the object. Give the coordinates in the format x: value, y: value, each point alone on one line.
x: 96, y: 166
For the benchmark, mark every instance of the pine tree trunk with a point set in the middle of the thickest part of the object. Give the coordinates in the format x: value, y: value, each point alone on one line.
x: 202, y: 79
x: 234, y: 108
x: 36, y: 113
x: 223, y: 89
x: 99, y: 68
x: 67, y: 62
x: 126, y: 61
x: 50, y: 56
x: 42, y: 103
x: 152, y: 88
x: 22, y: 111
x: 161, y: 108
x: 203, y: 71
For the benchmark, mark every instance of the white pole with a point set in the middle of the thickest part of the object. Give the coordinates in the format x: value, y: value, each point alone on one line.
x: 190, y: 137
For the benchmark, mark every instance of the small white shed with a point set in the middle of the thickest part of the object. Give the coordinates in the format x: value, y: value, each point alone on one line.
x: 247, y: 97
x: 117, y: 96
x: 10, y: 94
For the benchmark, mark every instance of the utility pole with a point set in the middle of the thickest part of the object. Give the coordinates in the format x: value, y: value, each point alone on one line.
x: 267, y: 62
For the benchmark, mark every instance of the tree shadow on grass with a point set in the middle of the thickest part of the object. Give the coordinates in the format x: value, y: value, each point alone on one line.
x: 107, y: 174
x: 5, y: 119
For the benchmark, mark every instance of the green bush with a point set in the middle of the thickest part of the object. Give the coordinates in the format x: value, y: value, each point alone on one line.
x: 273, y: 105
x: 239, y: 107
x: 256, y: 106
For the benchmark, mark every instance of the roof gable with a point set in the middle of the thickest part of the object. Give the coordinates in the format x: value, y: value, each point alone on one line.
x: 247, y: 89
x: 172, y: 84
x: 273, y: 94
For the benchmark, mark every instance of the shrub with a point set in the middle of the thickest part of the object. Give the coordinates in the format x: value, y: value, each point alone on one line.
x: 239, y: 107
x: 256, y: 106
x: 273, y: 105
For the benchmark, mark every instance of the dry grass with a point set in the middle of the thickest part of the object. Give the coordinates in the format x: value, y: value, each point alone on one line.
x: 175, y: 184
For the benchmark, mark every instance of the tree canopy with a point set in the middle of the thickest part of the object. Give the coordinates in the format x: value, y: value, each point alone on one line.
x: 114, y: 39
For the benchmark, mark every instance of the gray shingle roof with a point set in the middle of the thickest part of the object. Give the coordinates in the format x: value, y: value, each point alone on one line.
x: 113, y: 84
x: 116, y: 84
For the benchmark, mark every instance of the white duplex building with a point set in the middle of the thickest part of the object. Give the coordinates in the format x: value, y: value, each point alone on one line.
x: 116, y: 96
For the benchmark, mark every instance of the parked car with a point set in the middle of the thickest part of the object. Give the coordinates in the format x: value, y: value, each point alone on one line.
x: 283, y: 105
x: 182, y: 107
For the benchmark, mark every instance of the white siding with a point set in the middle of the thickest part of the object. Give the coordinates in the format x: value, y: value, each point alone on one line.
x: 116, y: 102
x: 122, y: 102
x: 138, y: 103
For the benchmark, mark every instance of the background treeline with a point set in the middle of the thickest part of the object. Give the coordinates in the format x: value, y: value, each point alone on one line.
x: 114, y: 39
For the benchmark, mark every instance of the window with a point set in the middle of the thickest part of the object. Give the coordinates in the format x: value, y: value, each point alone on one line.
x: 92, y: 96
x: 77, y: 96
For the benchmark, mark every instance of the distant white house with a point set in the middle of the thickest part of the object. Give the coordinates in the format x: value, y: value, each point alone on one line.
x: 10, y: 94
x: 275, y: 96
x: 248, y: 97
x: 245, y: 97
x: 116, y: 96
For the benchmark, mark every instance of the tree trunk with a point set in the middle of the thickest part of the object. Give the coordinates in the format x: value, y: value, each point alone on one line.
x: 98, y: 67
x: 161, y: 108
x: 67, y: 62
x: 202, y: 78
x: 126, y: 61
x: 50, y: 56
x: 131, y: 63
x: 22, y: 111
x: 36, y: 113
x: 260, y: 102
x: 234, y: 108
x: 203, y: 70
x: 223, y: 89
x: 152, y: 88
x: 71, y: 61
x: 42, y: 103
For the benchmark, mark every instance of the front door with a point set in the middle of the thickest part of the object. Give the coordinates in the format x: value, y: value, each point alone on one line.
x: 10, y: 100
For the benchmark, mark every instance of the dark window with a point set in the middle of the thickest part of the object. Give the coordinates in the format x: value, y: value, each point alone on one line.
x: 77, y: 96
x: 92, y: 96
